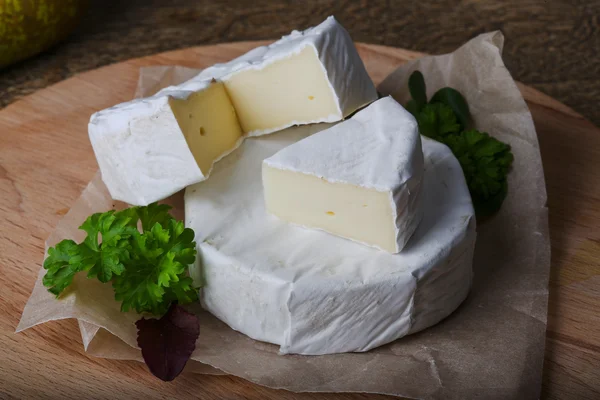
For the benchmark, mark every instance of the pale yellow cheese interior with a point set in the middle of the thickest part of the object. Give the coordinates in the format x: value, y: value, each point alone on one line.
x: 294, y: 89
x: 349, y: 211
x: 209, y: 123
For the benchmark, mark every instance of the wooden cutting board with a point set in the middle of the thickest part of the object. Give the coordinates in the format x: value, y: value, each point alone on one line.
x: 46, y: 160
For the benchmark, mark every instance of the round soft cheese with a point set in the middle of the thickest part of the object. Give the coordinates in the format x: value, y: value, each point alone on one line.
x: 311, y: 292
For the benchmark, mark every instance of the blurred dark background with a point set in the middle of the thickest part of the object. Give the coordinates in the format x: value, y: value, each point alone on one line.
x: 552, y: 45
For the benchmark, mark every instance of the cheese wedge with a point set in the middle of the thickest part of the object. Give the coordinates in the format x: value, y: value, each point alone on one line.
x: 360, y: 179
x: 314, y: 293
x: 303, y: 78
x: 151, y: 148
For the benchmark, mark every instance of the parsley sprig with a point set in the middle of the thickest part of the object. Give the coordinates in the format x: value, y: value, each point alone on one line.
x: 484, y: 159
x: 148, y: 267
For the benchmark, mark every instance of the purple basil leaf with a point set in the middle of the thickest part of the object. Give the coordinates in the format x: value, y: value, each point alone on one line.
x: 168, y: 343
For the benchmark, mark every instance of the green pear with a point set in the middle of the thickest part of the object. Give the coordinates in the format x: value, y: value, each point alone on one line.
x: 28, y: 27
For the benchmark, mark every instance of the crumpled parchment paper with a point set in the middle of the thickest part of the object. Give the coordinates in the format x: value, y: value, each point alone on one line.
x: 491, y: 347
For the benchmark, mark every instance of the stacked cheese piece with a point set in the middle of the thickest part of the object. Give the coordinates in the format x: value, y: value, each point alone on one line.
x: 360, y: 179
x: 150, y: 148
x: 370, y: 179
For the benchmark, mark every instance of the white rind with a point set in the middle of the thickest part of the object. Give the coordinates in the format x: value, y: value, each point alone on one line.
x: 378, y: 148
x: 142, y: 153
x: 314, y: 293
x: 349, y: 81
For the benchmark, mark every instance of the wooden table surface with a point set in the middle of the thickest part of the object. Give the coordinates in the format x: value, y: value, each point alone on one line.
x: 552, y: 45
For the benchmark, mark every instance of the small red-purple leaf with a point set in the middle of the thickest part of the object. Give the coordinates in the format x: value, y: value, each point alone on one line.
x: 168, y: 343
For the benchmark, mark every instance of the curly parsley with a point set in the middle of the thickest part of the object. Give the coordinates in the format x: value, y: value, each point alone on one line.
x: 485, y: 160
x: 147, y: 267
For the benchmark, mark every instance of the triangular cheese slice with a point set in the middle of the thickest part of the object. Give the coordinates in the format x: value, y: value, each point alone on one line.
x: 360, y: 179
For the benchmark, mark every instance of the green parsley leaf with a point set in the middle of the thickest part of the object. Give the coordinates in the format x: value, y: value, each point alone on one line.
x: 148, y: 269
x: 182, y: 293
x: 413, y: 108
x: 113, y: 229
x: 437, y: 121
x: 156, y: 275
x: 100, y: 259
x: 418, y: 91
x: 152, y: 214
x: 486, y: 162
x: 456, y: 101
x: 63, y: 262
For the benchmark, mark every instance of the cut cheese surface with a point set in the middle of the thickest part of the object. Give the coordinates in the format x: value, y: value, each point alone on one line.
x: 209, y: 124
x: 360, y: 179
x: 311, y: 76
x: 311, y: 292
x: 150, y: 148
x: 364, y: 215
x: 293, y: 89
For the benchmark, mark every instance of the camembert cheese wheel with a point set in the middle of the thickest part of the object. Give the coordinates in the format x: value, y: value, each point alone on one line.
x: 311, y: 292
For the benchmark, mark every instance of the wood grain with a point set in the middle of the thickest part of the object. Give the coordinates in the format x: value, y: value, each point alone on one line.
x: 46, y: 160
